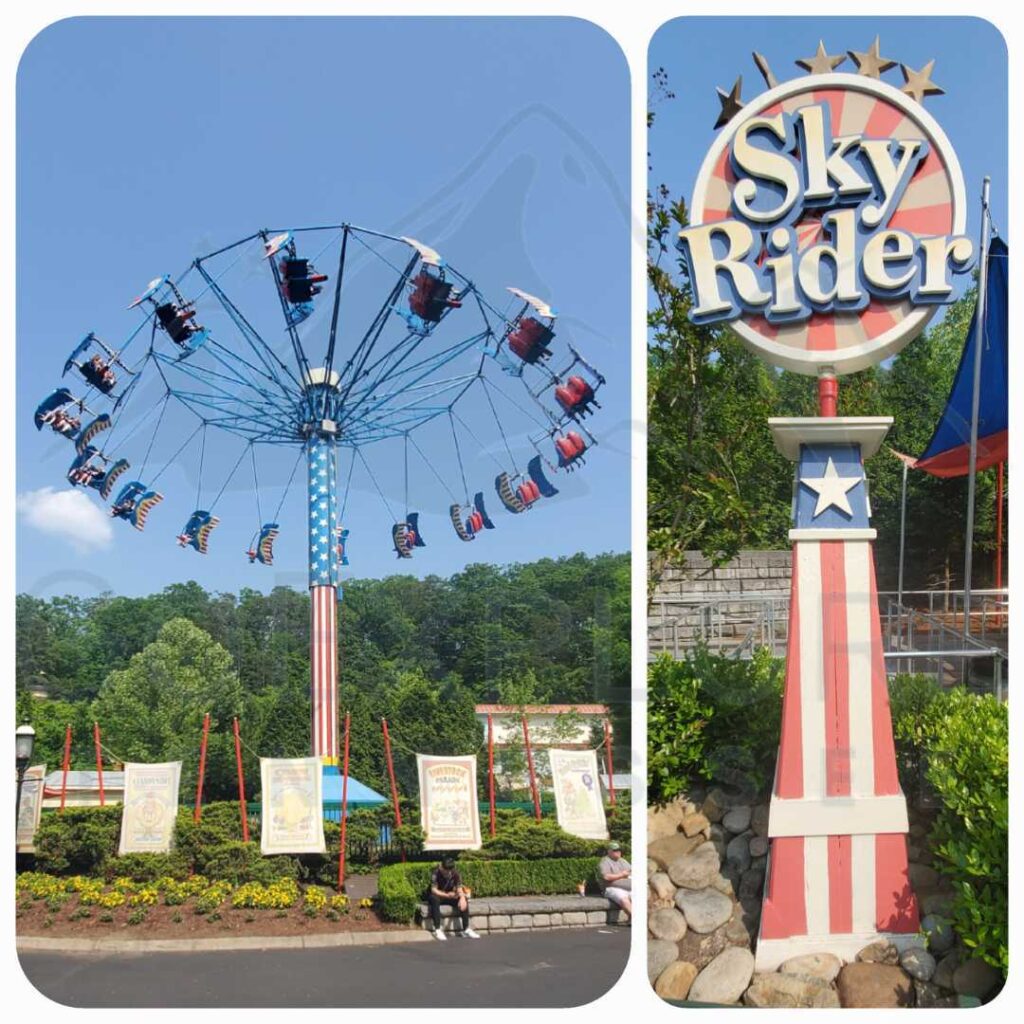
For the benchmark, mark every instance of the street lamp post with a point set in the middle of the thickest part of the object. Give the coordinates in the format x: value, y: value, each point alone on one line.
x: 24, y: 741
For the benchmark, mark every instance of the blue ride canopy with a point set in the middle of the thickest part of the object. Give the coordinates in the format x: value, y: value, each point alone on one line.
x: 948, y: 452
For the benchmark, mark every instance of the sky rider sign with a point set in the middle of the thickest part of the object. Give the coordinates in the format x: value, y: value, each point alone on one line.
x: 827, y: 223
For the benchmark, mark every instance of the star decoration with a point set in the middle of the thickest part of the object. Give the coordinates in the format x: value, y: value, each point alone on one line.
x: 871, y: 64
x: 821, y: 63
x: 919, y: 83
x: 831, y: 489
x: 731, y: 102
x: 766, y: 72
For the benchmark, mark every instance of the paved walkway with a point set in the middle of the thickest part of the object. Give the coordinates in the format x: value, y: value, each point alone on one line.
x: 557, y: 968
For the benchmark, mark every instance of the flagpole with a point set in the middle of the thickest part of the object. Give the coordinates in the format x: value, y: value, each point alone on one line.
x: 972, y: 469
x: 903, y: 539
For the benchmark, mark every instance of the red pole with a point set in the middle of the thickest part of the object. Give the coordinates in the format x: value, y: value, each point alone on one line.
x: 609, y: 760
x: 99, y: 761
x: 344, y: 808
x: 490, y: 770
x: 241, y: 785
x: 391, y: 776
x: 66, y: 766
x: 828, y: 395
x: 999, y: 528
x: 202, y: 768
x: 533, y: 776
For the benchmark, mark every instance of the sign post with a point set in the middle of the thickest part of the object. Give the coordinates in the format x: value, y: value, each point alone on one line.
x: 827, y: 223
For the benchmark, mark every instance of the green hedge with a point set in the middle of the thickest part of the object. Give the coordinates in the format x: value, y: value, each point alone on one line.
x: 402, y: 887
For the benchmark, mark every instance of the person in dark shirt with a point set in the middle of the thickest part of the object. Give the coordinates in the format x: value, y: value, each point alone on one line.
x: 446, y: 887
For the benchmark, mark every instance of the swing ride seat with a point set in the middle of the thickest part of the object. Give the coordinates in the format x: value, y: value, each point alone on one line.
x: 111, y: 477
x: 478, y: 504
x: 570, y: 449
x: 300, y: 280
x: 528, y: 492
x: 464, y: 534
x: 576, y: 397
x: 509, y: 497
x: 91, y: 430
x: 530, y: 340
x: 536, y: 470
x: 431, y: 296
x: 400, y: 540
x: 196, y: 533
x: 262, y: 550
x: 52, y: 403
x: 342, y: 541
x: 413, y: 521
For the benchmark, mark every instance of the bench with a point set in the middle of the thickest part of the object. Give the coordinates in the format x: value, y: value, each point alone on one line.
x: 525, y: 913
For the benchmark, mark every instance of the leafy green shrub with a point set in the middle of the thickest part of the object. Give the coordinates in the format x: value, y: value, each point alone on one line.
x: 910, y: 697
x: 148, y: 867
x: 712, y: 717
x: 79, y: 841
x: 520, y: 837
x: 966, y: 739
x: 401, y: 887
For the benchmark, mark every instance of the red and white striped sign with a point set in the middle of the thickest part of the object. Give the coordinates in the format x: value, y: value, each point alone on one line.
x: 323, y: 659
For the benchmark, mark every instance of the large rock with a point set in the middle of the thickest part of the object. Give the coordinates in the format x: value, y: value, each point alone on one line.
x: 725, y: 978
x: 922, y: 876
x: 667, y: 923
x: 977, y: 978
x: 665, y: 821
x: 652, y: 867
x: 696, y: 824
x: 823, y: 966
x: 737, y: 852
x: 751, y: 883
x: 758, y: 846
x: 940, y: 903
x: 705, y: 909
x: 674, y: 982
x: 662, y: 887
x: 700, y: 950
x: 882, y: 951
x: 790, y: 990
x: 697, y: 869
x: 669, y: 848
x: 716, y: 803
x: 737, y: 819
x: 868, y: 984
x: 941, y: 936
x: 735, y: 929
x: 660, y: 953
x: 759, y: 820
x: 945, y: 970
x: 918, y: 963
x: 931, y: 997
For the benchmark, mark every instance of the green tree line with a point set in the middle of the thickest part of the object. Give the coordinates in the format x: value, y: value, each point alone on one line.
x: 419, y: 652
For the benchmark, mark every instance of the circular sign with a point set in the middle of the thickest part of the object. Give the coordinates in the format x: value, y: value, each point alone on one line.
x: 932, y: 204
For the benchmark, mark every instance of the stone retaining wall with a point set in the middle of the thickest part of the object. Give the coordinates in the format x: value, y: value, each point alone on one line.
x: 525, y: 913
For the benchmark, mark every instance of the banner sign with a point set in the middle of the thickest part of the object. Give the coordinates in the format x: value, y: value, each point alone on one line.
x: 30, y: 809
x: 579, y: 806
x: 149, y: 808
x: 292, y: 820
x: 449, y: 810
x: 827, y: 223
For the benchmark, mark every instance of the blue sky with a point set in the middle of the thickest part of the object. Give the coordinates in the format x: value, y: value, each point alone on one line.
x: 145, y: 142
x: 702, y: 53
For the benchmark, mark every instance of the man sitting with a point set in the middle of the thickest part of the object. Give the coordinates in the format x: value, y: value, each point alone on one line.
x: 615, y: 872
x: 446, y: 887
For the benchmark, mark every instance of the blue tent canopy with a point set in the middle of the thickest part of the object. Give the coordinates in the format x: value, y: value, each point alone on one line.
x: 948, y: 452
x: 358, y: 794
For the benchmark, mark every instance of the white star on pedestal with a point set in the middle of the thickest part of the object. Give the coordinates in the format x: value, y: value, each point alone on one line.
x: 831, y: 489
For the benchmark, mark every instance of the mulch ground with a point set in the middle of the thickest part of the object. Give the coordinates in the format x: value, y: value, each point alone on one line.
x: 181, y: 922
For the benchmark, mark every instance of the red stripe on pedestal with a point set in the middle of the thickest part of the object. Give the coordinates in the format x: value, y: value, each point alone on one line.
x: 790, y: 780
x: 895, y: 903
x: 785, y: 912
x: 887, y: 782
x: 840, y: 884
x: 837, y: 669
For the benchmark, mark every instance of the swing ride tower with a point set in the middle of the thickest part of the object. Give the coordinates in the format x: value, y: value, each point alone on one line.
x: 253, y: 346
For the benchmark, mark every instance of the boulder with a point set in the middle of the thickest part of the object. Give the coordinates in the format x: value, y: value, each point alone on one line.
x: 725, y: 978
x: 700, y: 950
x: 704, y: 909
x: 918, y: 963
x: 737, y: 819
x: 696, y: 824
x: 922, y: 876
x: 945, y: 969
x: 735, y: 930
x: 669, y: 848
x: 941, y: 936
x: 662, y: 887
x: 674, y: 982
x: 758, y: 846
x: 751, y: 883
x: 660, y: 953
x: 823, y: 966
x: 873, y: 984
x: 738, y: 852
x: 882, y: 951
x: 977, y: 978
x: 790, y: 990
x: 652, y: 867
x: 695, y: 870
x: 716, y: 803
x: 931, y: 997
x: 665, y: 821
x: 759, y: 820
x: 667, y: 923
x: 723, y: 885
x: 940, y: 903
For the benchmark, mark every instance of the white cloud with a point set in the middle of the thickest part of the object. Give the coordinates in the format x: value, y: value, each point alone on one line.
x: 67, y: 514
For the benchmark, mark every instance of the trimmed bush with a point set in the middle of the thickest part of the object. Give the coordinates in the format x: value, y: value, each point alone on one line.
x: 403, y: 886
x: 79, y: 841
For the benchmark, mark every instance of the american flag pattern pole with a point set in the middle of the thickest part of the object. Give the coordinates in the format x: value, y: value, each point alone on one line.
x: 324, y: 592
x: 837, y: 868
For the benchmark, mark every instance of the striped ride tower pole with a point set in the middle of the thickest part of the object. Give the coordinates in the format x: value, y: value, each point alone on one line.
x: 837, y: 867
x: 324, y: 581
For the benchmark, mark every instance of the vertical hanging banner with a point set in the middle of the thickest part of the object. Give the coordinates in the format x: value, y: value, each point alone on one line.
x: 149, y: 808
x: 578, y: 804
x: 30, y: 809
x: 449, y: 812
x: 292, y: 819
